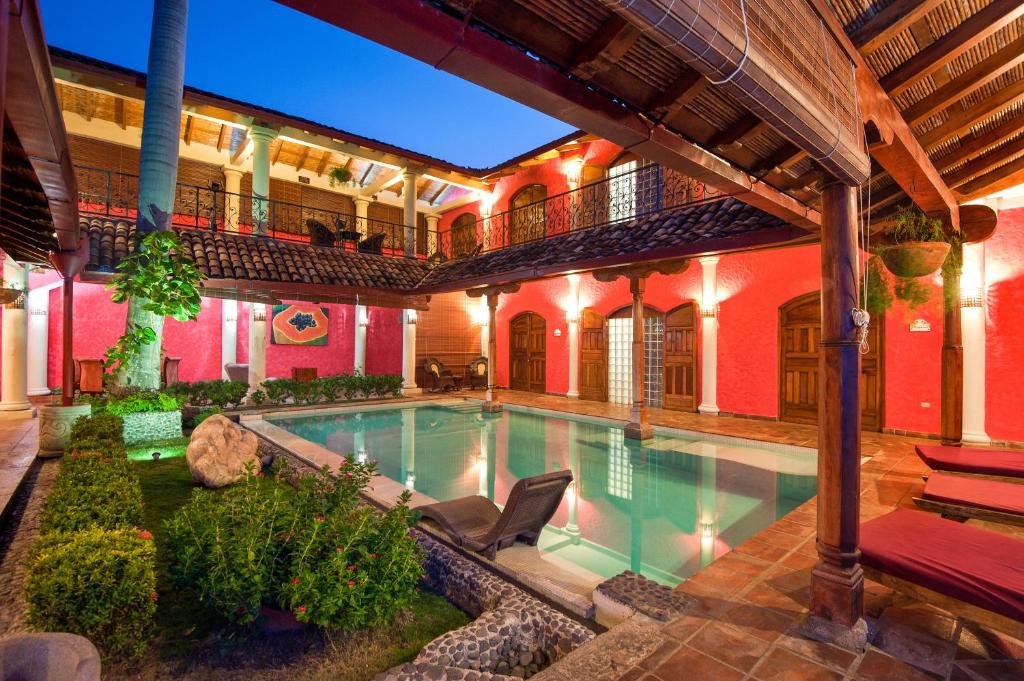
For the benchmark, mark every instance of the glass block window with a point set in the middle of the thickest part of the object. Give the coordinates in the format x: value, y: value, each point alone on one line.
x: 620, y: 474
x: 654, y: 336
x: 620, y: 360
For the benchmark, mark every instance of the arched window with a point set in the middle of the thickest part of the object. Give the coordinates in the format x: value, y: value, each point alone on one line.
x: 634, y: 187
x: 463, y: 234
x: 528, y: 214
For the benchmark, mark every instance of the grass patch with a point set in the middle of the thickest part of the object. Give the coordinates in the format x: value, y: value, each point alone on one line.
x: 194, y: 643
x: 168, y: 449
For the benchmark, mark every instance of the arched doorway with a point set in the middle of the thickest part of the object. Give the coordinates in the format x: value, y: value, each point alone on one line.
x: 620, y: 356
x: 593, y: 356
x: 681, y: 377
x: 799, y: 337
x: 527, y: 348
x: 463, y: 235
x: 528, y: 214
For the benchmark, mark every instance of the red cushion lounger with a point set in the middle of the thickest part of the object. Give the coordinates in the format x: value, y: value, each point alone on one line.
x: 961, y: 497
x: 959, y: 564
x: 1005, y: 462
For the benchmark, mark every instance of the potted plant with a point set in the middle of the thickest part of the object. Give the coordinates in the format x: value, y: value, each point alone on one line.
x: 918, y: 244
x: 339, y: 175
x: 880, y: 292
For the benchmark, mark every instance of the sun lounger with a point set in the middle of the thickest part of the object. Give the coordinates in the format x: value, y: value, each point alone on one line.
x: 477, y: 524
x: 997, y: 462
x: 973, y: 573
x: 961, y: 497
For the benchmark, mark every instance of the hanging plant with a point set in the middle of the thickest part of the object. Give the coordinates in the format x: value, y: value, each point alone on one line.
x: 918, y: 244
x: 952, y: 268
x: 339, y: 175
x: 881, y: 293
x: 169, y: 285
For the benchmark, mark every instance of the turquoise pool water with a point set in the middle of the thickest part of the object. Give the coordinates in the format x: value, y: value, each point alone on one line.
x: 664, y: 509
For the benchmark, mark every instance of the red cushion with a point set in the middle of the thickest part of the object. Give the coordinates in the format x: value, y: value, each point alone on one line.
x: 979, y: 567
x: 994, y: 495
x: 1006, y: 462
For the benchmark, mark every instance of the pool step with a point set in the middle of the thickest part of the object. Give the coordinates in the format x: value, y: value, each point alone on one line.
x: 464, y: 408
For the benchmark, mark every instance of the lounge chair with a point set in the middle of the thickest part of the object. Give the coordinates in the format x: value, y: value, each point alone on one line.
x: 477, y: 524
x: 319, y: 234
x: 973, y: 573
x: 476, y: 371
x: 961, y: 497
x: 372, y: 244
x: 1007, y: 463
x: 442, y: 379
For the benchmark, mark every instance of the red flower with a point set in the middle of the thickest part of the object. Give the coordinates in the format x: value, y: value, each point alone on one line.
x: 153, y: 596
x: 351, y: 582
x: 338, y: 549
x: 373, y: 556
x: 320, y: 518
x: 351, y: 568
x: 259, y: 474
x: 301, y: 609
x: 241, y: 611
x: 146, y: 534
x: 348, y: 474
x: 295, y: 580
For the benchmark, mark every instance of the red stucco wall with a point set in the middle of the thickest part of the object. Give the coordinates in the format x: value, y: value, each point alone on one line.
x: 1004, y: 274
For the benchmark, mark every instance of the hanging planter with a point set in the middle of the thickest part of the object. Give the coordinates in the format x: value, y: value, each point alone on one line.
x: 9, y: 295
x: 917, y: 244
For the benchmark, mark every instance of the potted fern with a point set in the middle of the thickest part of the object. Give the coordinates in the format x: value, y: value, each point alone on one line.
x: 339, y: 175
x: 918, y: 244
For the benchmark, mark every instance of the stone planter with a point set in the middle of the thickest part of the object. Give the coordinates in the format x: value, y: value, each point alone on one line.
x: 914, y: 259
x: 149, y: 426
x: 55, y: 423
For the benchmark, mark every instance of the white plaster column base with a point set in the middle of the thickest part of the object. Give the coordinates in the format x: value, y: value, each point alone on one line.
x: 40, y: 392
x: 572, y: 395
x: 16, y: 409
x: 408, y: 392
x: 976, y: 438
x: 55, y: 423
x: 709, y: 409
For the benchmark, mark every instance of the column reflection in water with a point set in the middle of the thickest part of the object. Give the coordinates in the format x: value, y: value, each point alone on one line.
x: 409, y: 448
x: 637, y: 508
x: 359, y: 445
x: 483, y: 467
x: 572, y: 492
x: 707, y: 509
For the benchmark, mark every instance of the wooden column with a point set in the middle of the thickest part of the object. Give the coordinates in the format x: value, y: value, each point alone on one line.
x: 67, y: 397
x: 638, y: 428
x: 837, y: 581
x: 952, y: 425
x: 491, y: 403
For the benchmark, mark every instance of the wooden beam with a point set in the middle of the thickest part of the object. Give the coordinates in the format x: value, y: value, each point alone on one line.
x: 983, y: 164
x: 951, y: 423
x: 951, y: 45
x: 982, y: 185
x: 366, y: 173
x: 683, y: 90
x: 223, y: 136
x: 243, y: 152
x: 276, y: 153
x: 888, y: 23
x: 965, y: 119
x: 302, y: 158
x: 976, y: 144
x: 972, y: 79
x: 119, y: 117
x: 325, y: 158
x: 187, y: 134
x: 608, y: 44
x: 437, y: 194
x: 1005, y: 182
x: 748, y: 126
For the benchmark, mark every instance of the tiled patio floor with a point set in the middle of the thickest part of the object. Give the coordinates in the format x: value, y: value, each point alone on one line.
x: 18, y: 444
x: 751, y: 600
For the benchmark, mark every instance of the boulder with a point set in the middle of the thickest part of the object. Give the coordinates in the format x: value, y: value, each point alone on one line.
x: 220, y: 451
x: 48, y: 657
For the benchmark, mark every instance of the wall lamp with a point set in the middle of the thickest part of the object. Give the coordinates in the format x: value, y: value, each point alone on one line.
x: 711, y: 312
x: 971, y: 297
x: 410, y: 316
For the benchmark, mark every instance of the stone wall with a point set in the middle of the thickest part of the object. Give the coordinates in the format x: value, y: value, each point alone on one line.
x: 150, y: 426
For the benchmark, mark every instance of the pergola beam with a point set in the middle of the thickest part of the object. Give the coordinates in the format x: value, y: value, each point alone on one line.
x: 965, y: 119
x: 611, y: 41
x: 890, y: 22
x: 950, y: 46
x: 985, y: 163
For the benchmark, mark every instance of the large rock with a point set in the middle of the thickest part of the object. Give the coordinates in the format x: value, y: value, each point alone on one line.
x: 48, y: 657
x: 220, y: 451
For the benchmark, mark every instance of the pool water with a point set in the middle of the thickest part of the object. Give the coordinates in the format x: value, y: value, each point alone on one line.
x: 664, y: 509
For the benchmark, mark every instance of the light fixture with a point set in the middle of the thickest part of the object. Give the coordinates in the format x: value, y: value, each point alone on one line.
x: 558, y: 333
x: 486, y: 200
x: 259, y: 315
x: 709, y: 312
x: 572, y: 317
x: 410, y: 316
x: 573, y: 168
x: 972, y: 294
x: 364, y: 318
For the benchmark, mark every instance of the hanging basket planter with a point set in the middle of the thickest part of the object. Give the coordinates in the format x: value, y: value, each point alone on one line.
x: 9, y: 295
x: 914, y: 258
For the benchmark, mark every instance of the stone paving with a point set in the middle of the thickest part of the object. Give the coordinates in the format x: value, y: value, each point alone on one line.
x: 19, y: 440
x: 750, y: 603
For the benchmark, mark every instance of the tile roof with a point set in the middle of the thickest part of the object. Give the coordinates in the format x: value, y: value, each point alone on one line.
x: 654, y: 234
x: 223, y: 255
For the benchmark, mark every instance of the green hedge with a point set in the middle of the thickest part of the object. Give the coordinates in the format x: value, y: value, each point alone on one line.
x: 92, y: 571
x: 219, y: 393
x: 142, y: 402
x: 331, y: 388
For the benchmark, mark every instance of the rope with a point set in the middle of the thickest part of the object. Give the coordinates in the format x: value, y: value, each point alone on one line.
x: 746, y: 46
x: 859, y: 315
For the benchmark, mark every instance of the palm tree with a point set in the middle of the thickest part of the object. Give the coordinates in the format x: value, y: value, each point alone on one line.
x: 158, y: 166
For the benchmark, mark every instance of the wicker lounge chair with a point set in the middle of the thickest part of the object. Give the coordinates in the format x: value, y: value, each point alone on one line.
x: 319, y: 234
x: 973, y: 573
x: 1007, y: 463
x: 476, y: 372
x: 372, y: 244
x: 477, y: 524
x: 442, y: 378
x: 961, y: 497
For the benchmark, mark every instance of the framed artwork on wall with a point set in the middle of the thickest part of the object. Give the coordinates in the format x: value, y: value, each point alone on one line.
x: 299, y: 324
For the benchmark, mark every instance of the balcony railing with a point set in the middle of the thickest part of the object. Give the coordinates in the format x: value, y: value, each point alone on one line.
x: 620, y: 198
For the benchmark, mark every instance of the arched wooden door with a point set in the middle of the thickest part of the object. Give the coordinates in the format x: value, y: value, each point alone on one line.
x: 593, y: 356
x: 528, y: 217
x: 799, y: 337
x: 680, y: 358
x: 527, y: 347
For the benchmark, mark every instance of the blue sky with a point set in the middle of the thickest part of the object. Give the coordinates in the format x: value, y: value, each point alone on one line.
x: 267, y: 54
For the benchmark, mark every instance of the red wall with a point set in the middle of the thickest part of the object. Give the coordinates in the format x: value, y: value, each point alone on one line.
x: 1004, y: 274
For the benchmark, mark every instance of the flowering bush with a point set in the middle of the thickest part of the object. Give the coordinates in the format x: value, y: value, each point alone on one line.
x: 97, y: 583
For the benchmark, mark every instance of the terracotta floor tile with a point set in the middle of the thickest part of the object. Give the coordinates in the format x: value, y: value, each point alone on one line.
x: 729, y: 645
x: 759, y: 549
x: 877, y: 666
x: 822, y: 653
x: 691, y: 664
x: 765, y: 595
x: 784, y: 665
x: 765, y: 623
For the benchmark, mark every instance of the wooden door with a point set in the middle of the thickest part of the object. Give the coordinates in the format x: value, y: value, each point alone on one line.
x: 799, y: 337
x: 593, y: 356
x: 527, y: 353
x: 528, y: 216
x: 680, y: 358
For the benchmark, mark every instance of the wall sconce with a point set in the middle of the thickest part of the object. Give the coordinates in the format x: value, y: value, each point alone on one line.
x: 558, y: 333
x: 39, y: 312
x: 364, y: 319
x: 572, y: 317
x: 231, y: 318
x: 972, y: 293
x: 259, y: 314
x: 410, y: 316
x: 709, y: 312
x: 486, y: 200
x: 573, y: 168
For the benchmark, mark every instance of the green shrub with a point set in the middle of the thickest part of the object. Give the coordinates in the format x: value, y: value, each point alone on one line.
x: 143, y: 402
x: 94, y: 489
x: 334, y: 387
x: 205, y: 414
x: 219, y: 393
x: 100, y: 426
x: 97, y: 583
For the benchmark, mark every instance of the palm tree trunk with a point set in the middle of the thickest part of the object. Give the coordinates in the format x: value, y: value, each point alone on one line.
x: 158, y: 165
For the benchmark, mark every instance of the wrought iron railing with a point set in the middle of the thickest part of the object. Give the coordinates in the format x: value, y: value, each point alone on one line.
x: 620, y: 198
x: 114, y: 194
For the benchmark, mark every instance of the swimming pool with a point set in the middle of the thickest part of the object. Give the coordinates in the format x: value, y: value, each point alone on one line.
x: 664, y: 509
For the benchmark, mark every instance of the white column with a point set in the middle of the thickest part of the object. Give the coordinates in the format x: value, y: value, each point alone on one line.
x: 409, y: 210
x: 14, y: 380
x: 232, y: 190
x: 261, y: 139
x: 257, y: 345
x: 228, y: 334
x: 362, y: 211
x: 432, y: 234
x: 972, y: 325
x: 409, y: 386
x: 38, y: 341
x: 359, y: 356
x: 572, y: 318
x: 408, y: 470
x: 485, y: 329
x: 709, y: 337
